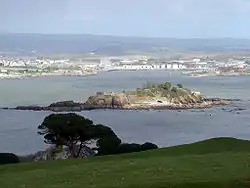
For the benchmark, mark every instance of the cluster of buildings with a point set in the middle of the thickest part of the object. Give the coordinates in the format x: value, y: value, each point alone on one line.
x: 170, y: 65
x: 174, y: 66
x: 6, y: 61
x: 195, y: 65
x: 11, y: 67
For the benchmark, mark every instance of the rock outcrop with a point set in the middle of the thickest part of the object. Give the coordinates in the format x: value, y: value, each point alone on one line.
x: 107, y: 100
x: 65, y: 106
x: 55, y: 107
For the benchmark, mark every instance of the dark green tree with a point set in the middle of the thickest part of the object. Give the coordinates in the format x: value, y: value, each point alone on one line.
x: 101, y: 131
x: 180, y: 85
x: 128, y: 148
x: 108, y: 145
x: 148, y: 146
x: 167, y: 86
x: 71, y: 130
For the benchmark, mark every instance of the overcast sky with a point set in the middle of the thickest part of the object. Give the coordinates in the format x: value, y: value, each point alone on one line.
x: 161, y: 18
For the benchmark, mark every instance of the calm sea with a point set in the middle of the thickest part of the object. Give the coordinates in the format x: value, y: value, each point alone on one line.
x: 18, y: 129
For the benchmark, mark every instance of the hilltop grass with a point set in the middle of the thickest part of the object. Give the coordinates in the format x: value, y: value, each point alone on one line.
x: 214, y: 163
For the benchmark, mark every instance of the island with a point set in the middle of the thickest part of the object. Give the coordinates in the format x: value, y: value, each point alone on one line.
x: 150, y: 96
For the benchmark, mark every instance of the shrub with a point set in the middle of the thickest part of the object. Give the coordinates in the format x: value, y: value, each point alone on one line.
x: 174, y: 89
x: 148, y: 146
x: 168, y: 85
x: 108, y: 145
x: 8, y: 158
x: 128, y: 148
x: 180, y: 85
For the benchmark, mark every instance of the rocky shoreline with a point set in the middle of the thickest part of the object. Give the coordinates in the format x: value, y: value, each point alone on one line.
x: 24, y: 76
x: 71, y: 106
x: 221, y: 74
x: 163, y: 96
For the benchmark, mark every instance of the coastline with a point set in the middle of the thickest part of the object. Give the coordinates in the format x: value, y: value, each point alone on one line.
x: 47, y: 74
x: 78, y: 107
x: 149, y: 97
x: 219, y: 74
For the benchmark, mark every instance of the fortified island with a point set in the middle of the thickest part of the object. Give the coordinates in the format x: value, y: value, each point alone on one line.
x: 150, y: 96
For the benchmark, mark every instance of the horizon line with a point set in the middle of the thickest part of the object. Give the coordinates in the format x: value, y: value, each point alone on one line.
x: 125, y: 36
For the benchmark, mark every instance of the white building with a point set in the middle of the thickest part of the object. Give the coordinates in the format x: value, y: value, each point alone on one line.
x: 156, y: 66
x: 129, y: 61
x: 169, y: 66
x: 182, y: 66
x: 175, y: 66
x: 196, y: 60
x: 3, y: 71
x: 163, y: 66
x: 137, y: 67
x: 17, y: 64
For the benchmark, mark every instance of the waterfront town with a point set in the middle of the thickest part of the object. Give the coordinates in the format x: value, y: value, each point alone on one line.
x: 16, y: 67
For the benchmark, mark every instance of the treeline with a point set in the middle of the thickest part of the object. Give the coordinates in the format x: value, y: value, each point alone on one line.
x: 75, y: 132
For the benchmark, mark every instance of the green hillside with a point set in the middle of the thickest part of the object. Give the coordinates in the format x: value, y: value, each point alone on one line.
x: 215, y: 163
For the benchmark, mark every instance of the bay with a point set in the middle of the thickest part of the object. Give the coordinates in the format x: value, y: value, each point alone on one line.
x: 18, y: 129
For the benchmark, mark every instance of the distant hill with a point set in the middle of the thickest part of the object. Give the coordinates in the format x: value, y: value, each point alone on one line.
x: 111, y: 45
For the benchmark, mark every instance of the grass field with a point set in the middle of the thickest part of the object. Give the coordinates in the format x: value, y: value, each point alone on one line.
x: 214, y: 163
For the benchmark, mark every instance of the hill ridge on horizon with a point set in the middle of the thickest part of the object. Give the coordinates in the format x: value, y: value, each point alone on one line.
x: 122, y: 36
x: 115, y: 45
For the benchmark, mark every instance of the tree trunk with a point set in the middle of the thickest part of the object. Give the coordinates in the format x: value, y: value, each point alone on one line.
x: 71, y: 149
x: 79, y: 150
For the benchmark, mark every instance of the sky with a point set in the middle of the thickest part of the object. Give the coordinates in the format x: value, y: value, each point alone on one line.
x: 153, y: 18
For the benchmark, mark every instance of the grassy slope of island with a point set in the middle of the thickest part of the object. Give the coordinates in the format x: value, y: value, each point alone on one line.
x: 213, y: 163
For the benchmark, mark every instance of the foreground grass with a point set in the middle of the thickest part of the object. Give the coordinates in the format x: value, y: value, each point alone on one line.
x: 213, y: 163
